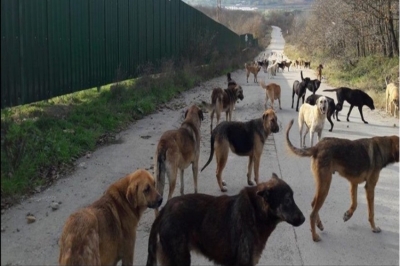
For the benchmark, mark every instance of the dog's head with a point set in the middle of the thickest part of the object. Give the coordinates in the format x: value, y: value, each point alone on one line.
x: 312, y: 99
x: 270, y: 121
x: 141, y: 191
x: 194, y: 111
x: 322, y: 104
x: 239, y: 92
x: 369, y: 102
x: 277, y: 199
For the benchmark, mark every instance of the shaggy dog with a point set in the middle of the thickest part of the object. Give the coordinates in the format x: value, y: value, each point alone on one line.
x: 313, y: 116
x: 228, y: 230
x: 354, y: 97
x: 272, y: 92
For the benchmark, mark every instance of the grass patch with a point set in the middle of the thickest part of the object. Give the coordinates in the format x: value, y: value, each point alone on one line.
x: 41, y: 141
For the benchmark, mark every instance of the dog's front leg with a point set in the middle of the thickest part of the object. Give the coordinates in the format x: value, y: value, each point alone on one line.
x: 348, y: 114
x: 361, y: 113
x: 182, y: 183
x: 127, y: 257
x: 256, y: 167
x: 249, y: 168
x: 353, y: 192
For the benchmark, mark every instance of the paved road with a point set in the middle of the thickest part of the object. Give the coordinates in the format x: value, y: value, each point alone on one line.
x: 350, y: 243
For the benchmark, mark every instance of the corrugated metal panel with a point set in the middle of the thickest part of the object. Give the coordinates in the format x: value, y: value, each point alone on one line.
x: 80, y: 44
x: 142, y: 45
x: 11, y: 88
x: 133, y: 37
x: 97, y: 42
x: 123, y: 38
x: 111, y: 40
x: 149, y: 31
x: 157, y: 31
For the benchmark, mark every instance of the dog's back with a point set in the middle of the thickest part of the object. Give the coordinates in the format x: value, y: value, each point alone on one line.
x: 228, y: 230
x: 79, y: 242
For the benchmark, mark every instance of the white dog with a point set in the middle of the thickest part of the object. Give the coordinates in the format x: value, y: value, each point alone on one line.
x: 313, y: 116
x: 271, y: 70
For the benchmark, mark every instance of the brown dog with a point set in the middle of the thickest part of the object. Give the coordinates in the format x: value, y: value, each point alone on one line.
x: 319, y: 72
x: 358, y: 161
x: 392, y: 99
x: 244, y: 139
x: 252, y: 69
x: 224, y: 101
x: 105, y: 232
x: 176, y: 150
x: 228, y: 230
x: 272, y: 92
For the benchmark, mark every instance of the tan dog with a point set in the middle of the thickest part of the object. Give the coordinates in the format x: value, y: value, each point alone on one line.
x: 105, y: 232
x: 243, y: 139
x: 272, y: 92
x: 358, y: 161
x: 252, y: 69
x: 313, y: 116
x: 392, y: 99
x: 224, y: 101
x: 176, y: 150
x: 319, y: 72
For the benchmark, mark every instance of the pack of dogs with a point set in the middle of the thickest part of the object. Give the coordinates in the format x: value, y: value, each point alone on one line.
x: 230, y: 230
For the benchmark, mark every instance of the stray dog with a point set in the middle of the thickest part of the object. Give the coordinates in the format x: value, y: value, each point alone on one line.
x: 224, y: 101
x: 392, y: 99
x: 331, y: 106
x: 287, y: 64
x: 272, y: 92
x: 300, y: 88
x: 313, y: 116
x: 358, y: 161
x: 252, y: 69
x: 271, y: 70
x: 282, y: 65
x: 307, y: 64
x: 176, y: 150
x: 244, y: 139
x: 354, y: 97
x: 319, y: 72
x: 231, y: 82
x: 228, y: 230
x: 105, y: 232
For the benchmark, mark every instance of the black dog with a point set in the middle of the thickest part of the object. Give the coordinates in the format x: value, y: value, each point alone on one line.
x: 354, y: 97
x: 331, y: 106
x: 229, y: 230
x: 299, y: 88
x: 230, y: 80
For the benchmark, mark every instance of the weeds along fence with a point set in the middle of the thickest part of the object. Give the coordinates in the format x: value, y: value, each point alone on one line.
x: 55, y: 47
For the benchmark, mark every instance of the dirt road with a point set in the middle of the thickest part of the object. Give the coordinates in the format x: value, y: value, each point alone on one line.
x: 350, y: 243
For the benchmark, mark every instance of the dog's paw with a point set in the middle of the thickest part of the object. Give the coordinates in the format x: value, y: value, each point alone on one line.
x: 365, y: 122
x: 347, y: 216
x: 320, y: 226
x: 223, y: 189
x: 376, y: 229
x: 316, y: 237
x: 250, y: 183
x: 223, y: 183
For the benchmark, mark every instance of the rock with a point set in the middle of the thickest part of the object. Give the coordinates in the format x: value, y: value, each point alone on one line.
x: 54, y: 206
x: 30, y: 219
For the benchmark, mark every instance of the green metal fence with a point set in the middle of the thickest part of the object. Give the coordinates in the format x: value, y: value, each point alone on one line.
x: 54, y: 47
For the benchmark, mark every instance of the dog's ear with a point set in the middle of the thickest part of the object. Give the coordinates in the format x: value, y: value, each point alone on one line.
x: 186, y: 112
x: 263, y: 193
x: 275, y: 176
x: 201, y: 116
x: 131, y: 191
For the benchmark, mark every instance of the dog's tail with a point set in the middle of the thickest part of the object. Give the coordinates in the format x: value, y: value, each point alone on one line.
x: 331, y: 89
x: 211, y: 152
x: 152, y: 246
x: 307, y: 152
x: 301, y: 73
x: 228, y: 75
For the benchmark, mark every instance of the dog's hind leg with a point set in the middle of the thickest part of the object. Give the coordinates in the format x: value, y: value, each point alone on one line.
x: 195, y: 170
x: 370, y: 193
x: 221, y: 154
x: 353, y: 192
x: 249, y: 168
x: 329, y: 119
x: 172, y: 172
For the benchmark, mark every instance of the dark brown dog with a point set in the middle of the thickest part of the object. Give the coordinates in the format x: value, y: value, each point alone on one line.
x: 224, y: 101
x: 319, y: 72
x: 105, y: 232
x: 354, y: 97
x: 244, y: 139
x: 358, y: 161
x: 228, y: 230
x: 252, y: 69
x: 176, y: 150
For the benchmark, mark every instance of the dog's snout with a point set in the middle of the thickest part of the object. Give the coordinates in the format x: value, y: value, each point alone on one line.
x: 299, y: 219
x: 160, y: 199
